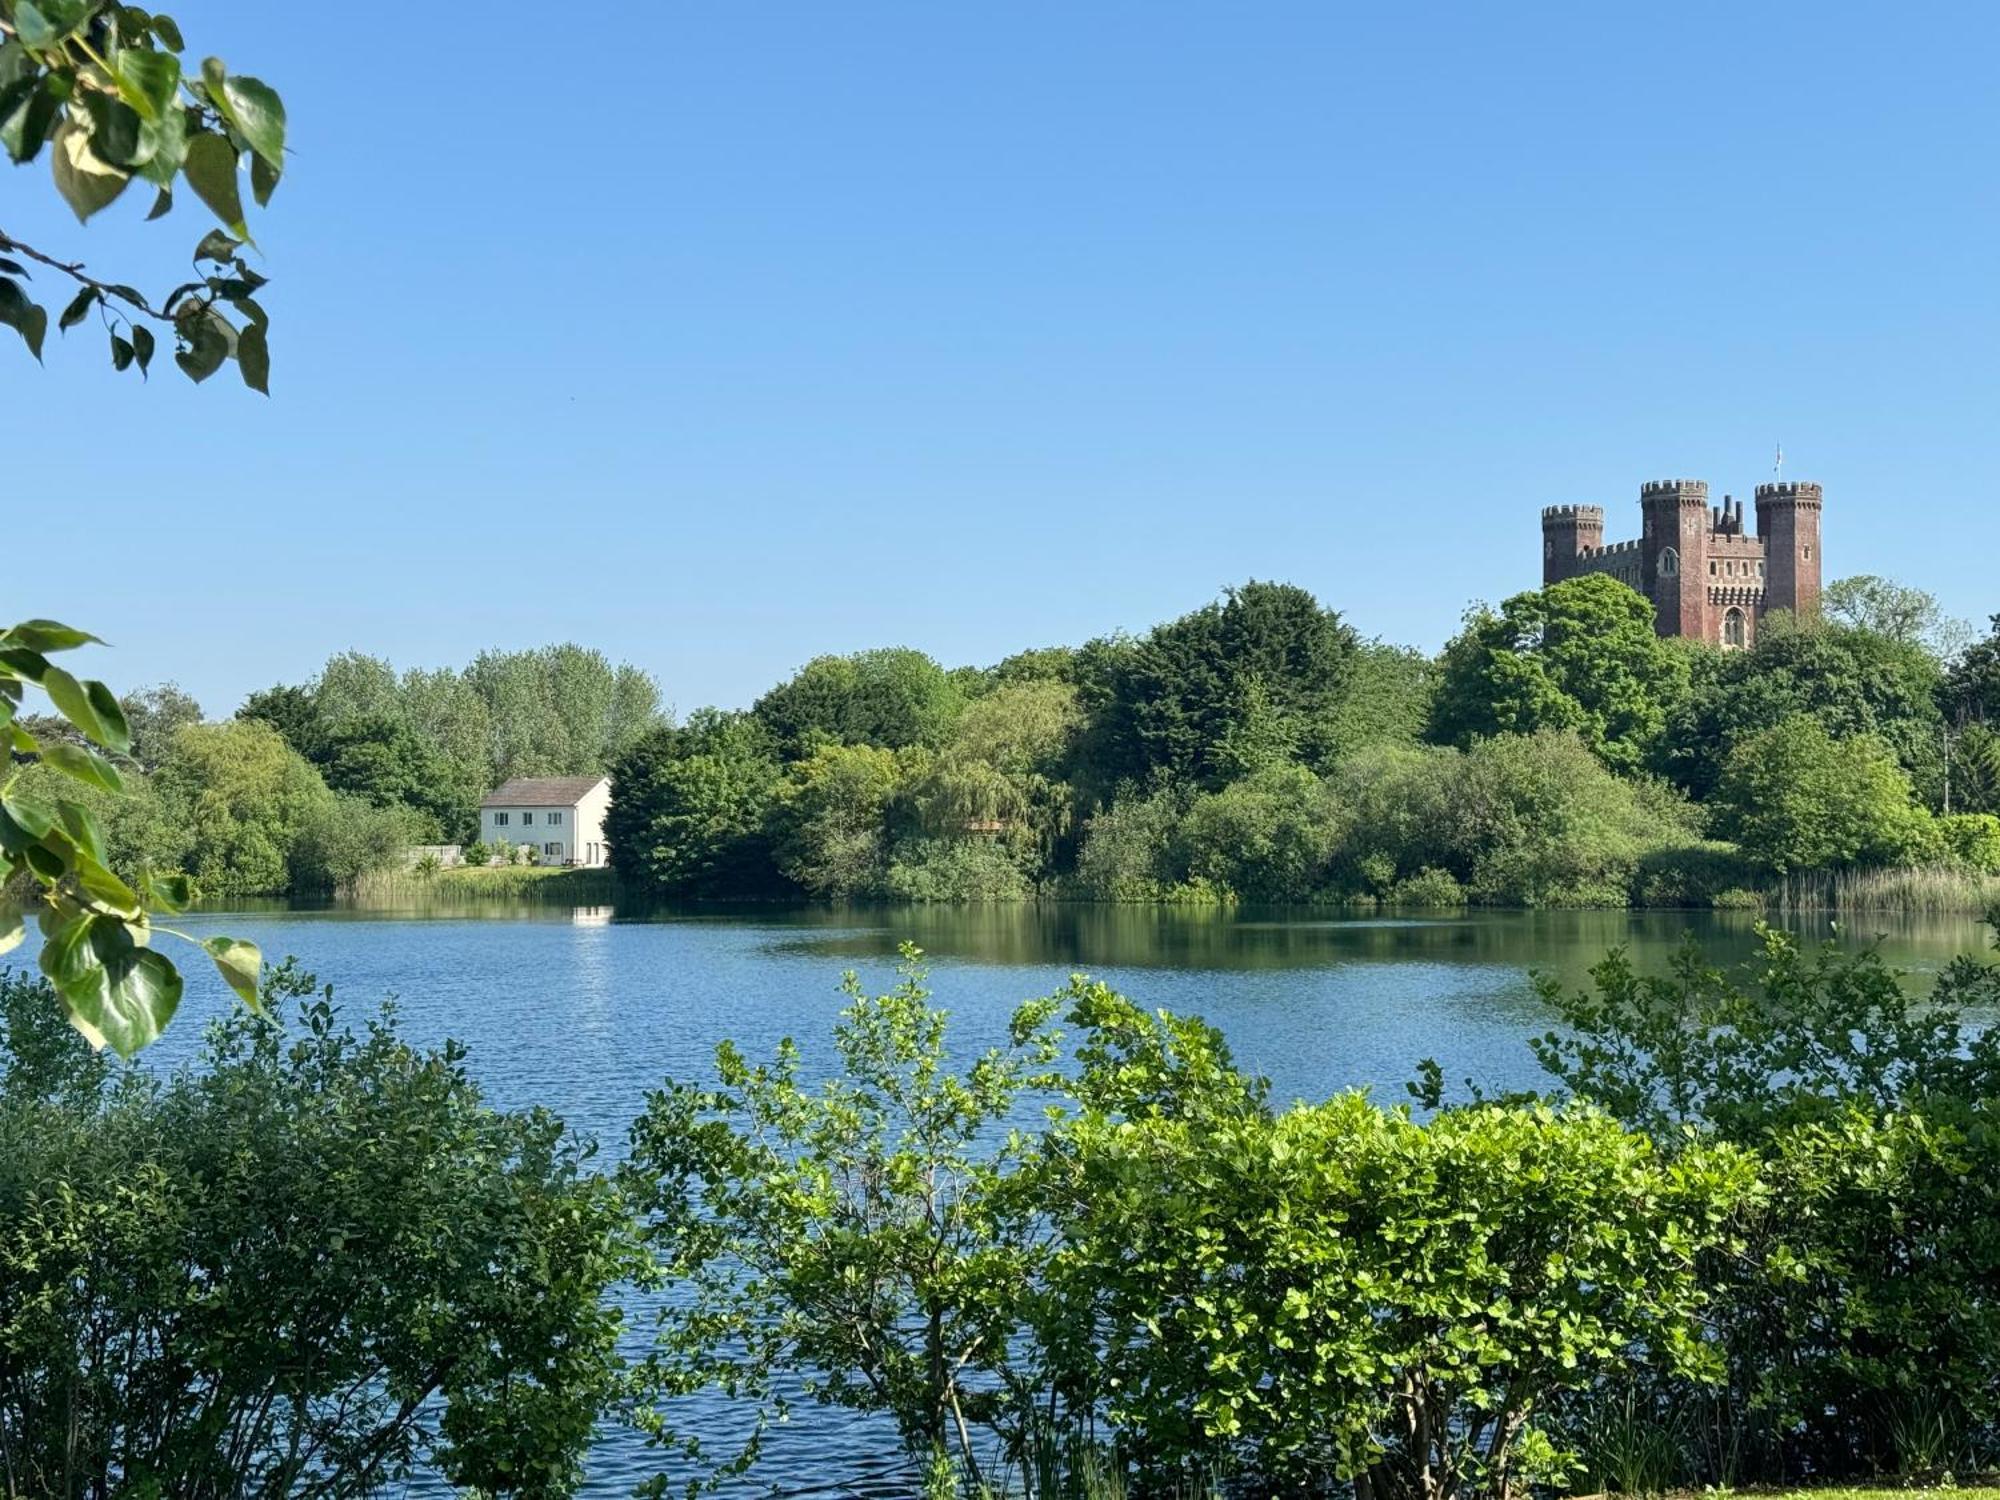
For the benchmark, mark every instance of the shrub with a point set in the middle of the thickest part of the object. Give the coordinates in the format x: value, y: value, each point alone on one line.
x: 1129, y: 847
x: 1973, y: 840
x: 1691, y: 875
x: 1269, y: 837
x: 312, y: 1266
x: 477, y: 855
x: 1428, y: 887
x: 938, y: 870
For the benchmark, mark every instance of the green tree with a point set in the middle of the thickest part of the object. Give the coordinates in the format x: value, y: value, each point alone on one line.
x: 388, y: 764
x: 890, y: 698
x: 1269, y: 837
x: 560, y: 710
x: 239, y: 798
x: 97, y: 926
x: 1184, y: 694
x: 102, y: 88
x: 1795, y: 798
x: 1852, y: 681
x: 868, y: 1233
x: 314, y: 1265
x: 1583, y: 655
x: 831, y: 820
x: 291, y: 710
x: 1389, y: 702
x: 155, y: 715
x: 1972, y: 688
x: 1894, y: 611
x: 690, y: 809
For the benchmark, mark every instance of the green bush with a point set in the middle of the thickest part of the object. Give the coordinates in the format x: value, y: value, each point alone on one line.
x: 1972, y: 840
x: 963, y: 869
x: 1128, y: 851
x: 314, y: 1265
x: 1428, y: 887
x: 1269, y: 837
x: 1691, y: 875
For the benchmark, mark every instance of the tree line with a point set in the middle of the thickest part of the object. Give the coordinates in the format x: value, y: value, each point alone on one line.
x: 312, y: 784
x: 1744, y: 1235
x: 1558, y: 751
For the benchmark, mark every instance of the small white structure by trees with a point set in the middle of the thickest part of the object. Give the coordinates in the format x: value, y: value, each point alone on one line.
x: 560, y: 817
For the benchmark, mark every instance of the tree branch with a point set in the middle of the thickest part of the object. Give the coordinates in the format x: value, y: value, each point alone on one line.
x: 74, y: 270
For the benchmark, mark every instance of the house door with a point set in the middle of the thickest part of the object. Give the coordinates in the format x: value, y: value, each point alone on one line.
x: 552, y: 853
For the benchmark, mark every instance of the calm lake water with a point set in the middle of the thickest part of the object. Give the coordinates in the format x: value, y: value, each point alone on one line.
x: 585, y: 1010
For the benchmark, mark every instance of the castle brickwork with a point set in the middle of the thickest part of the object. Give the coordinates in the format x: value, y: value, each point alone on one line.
x: 1709, y: 578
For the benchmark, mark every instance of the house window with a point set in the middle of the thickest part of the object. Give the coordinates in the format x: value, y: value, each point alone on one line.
x: 554, y: 818
x: 553, y: 851
x: 527, y: 818
x: 499, y: 820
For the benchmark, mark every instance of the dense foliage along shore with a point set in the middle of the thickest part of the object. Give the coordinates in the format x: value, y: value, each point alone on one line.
x: 1742, y: 1234
x: 1556, y: 753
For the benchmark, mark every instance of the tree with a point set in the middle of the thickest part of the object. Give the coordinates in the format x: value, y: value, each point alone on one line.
x: 386, y: 763
x: 1582, y: 655
x: 890, y: 698
x: 831, y: 820
x: 101, y: 87
x: 867, y: 1233
x: 311, y: 1266
x: 1796, y: 798
x: 240, y: 798
x: 689, y: 809
x: 560, y: 710
x: 1268, y: 837
x: 1852, y: 681
x: 1185, y: 695
x: 1389, y: 702
x: 1907, y: 616
x: 292, y: 711
x: 97, y: 926
x: 155, y: 715
x: 1972, y: 687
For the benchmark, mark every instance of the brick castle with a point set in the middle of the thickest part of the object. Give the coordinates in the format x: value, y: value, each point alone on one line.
x: 1708, y: 579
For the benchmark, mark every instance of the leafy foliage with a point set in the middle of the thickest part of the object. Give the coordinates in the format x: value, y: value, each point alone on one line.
x: 689, y: 810
x: 306, y: 1268
x: 97, y: 926
x: 102, y: 89
x: 1797, y: 799
x: 1582, y: 655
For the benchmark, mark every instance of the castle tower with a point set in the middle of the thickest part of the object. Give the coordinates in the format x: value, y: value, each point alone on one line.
x: 1674, y: 554
x: 1567, y: 531
x: 1788, y: 525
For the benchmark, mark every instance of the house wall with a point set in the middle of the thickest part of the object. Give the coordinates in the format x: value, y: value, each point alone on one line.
x: 581, y: 831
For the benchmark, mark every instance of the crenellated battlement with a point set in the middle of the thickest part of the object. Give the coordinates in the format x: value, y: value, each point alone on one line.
x: 1562, y: 513
x: 1687, y: 491
x: 1789, y: 492
x: 1610, y: 549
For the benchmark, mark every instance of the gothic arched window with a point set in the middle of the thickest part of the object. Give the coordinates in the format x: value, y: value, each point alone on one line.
x: 1670, y: 563
x: 1734, y: 629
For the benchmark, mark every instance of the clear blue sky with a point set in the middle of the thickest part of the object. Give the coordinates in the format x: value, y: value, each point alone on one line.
x: 720, y: 335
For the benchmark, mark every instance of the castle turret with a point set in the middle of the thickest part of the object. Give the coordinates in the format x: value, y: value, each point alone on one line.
x: 1674, y: 563
x: 1788, y: 524
x: 1567, y: 532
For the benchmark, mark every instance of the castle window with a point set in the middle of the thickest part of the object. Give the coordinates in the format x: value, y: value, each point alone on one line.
x: 1670, y: 563
x: 1734, y: 629
x: 1760, y: 570
x: 1808, y: 554
x: 1714, y: 568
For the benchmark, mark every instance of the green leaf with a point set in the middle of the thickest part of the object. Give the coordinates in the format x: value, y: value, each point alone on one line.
x: 168, y: 33
x: 148, y: 80
x: 86, y: 766
x: 117, y: 134
x: 216, y: 246
x: 121, y: 997
x: 208, y: 347
x: 110, y: 714
x: 263, y: 179
x: 43, y: 23
x: 241, y: 965
x: 25, y: 129
x: 81, y: 825
x: 90, y: 707
x: 163, y: 203
x: 87, y: 182
x: 254, y: 108
x: 23, y: 662
x: 24, y: 317
x: 211, y: 172
x: 106, y: 889
x: 78, y: 309
x: 253, y: 358
x: 47, y: 635
x: 142, y: 345
x: 121, y: 353
x: 168, y: 893
x: 163, y: 150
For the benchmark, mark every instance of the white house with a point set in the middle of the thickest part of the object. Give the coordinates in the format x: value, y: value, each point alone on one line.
x: 562, y: 817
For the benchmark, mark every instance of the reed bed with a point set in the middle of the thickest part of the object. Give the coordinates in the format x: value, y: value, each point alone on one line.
x: 474, y: 887
x: 1919, y: 892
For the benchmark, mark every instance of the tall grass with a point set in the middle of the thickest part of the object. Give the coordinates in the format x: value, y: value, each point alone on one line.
x: 510, y: 884
x: 1930, y: 891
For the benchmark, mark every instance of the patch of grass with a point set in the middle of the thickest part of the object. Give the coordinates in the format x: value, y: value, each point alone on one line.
x: 555, y: 884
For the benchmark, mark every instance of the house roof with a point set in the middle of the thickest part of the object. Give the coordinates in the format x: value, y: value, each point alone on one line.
x: 541, y: 791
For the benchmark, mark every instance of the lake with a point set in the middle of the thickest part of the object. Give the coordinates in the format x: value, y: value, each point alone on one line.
x: 584, y: 1010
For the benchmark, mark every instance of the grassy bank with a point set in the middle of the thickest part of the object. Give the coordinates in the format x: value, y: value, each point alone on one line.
x: 553, y: 884
x: 1915, y: 892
